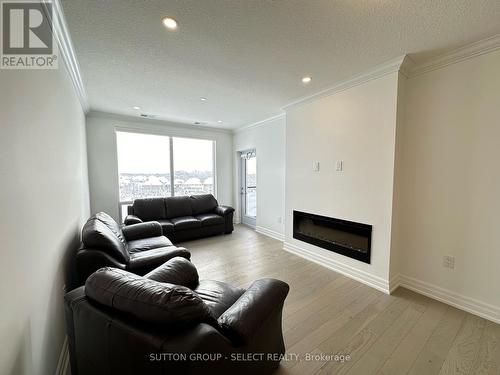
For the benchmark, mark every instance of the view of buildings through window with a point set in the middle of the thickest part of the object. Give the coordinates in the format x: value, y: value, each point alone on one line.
x: 145, y: 169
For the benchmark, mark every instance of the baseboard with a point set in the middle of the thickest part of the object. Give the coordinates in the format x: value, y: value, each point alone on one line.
x: 270, y: 233
x: 471, y: 305
x: 63, y: 363
x: 361, y: 276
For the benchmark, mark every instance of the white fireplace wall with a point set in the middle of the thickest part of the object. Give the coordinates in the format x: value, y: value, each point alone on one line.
x: 356, y: 126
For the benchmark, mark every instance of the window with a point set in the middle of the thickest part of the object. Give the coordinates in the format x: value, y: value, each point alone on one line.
x: 145, y: 168
x: 193, y: 166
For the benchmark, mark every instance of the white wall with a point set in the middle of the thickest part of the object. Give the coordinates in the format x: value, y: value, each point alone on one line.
x: 44, y: 201
x: 103, y: 164
x: 356, y: 126
x: 268, y: 138
x: 450, y: 198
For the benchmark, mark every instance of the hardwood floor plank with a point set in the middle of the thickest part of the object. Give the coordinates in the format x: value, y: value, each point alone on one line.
x: 487, y: 360
x: 375, y: 355
x: 465, y: 347
x: 431, y: 358
x: 407, y: 351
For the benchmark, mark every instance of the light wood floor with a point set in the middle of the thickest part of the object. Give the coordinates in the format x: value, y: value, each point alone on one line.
x: 327, y: 313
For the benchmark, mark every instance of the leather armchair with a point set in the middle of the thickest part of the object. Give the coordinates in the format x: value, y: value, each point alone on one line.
x: 168, y: 322
x: 137, y: 248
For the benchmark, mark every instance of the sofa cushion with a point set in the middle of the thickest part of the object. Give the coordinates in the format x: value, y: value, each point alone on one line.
x: 153, y: 258
x: 97, y: 235
x: 166, y: 225
x: 146, y: 300
x: 178, y: 206
x: 218, y: 296
x: 150, y: 208
x: 144, y: 244
x: 202, y: 204
x: 185, y: 222
x: 178, y: 270
x: 210, y: 219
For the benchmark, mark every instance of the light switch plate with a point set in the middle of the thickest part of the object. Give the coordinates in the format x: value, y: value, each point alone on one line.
x: 339, y: 166
x: 316, y: 166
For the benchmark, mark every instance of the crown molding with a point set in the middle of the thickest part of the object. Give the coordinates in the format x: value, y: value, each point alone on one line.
x: 466, y: 52
x: 258, y: 123
x: 66, y: 50
x: 378, y: 71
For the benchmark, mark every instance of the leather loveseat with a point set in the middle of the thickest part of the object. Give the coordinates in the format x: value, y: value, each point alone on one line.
x: 137, y: 248
x: 169, y: 322
x: 185, y: 217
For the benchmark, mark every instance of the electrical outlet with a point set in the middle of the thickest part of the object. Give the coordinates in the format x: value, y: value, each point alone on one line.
x: 339, y: 166
x: 316, y: 166
x: 449, y: 261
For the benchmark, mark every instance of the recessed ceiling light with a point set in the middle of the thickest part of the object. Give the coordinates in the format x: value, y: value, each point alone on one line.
x: 197, y: 123
x: 220, y: 121
x: 203, y: 99
x: 306, y: 79
x: 137, y: 108
x: 169, y: 23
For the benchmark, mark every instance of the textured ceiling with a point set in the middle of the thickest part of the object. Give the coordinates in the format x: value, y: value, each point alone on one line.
x: 248, y: 56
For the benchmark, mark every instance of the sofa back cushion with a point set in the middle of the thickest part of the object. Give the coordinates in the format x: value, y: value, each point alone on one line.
x: 178, y: 206
x: 149, y: 209
x: 202, y: 204
x: 147, y: 300
x: 98, y: 235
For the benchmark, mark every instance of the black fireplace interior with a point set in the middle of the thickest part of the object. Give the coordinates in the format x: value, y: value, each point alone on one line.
x: 344, y: 237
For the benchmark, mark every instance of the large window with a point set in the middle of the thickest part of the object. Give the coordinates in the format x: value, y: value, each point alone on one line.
x: 160, y: 166
x: 193, y: 166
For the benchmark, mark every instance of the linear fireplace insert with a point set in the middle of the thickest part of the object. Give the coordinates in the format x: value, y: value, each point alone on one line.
x: 344, y: 237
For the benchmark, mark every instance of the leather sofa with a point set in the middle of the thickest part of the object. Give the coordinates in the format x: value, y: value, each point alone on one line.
x: 170, y: 322
x: 137, y: 248
x: 185, y: 217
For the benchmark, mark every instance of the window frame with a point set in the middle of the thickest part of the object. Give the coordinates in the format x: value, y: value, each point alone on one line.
x: 171, y: 135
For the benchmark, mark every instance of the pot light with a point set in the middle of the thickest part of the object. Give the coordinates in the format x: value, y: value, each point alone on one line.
x: 169, y: 23
x: 220, y: 121
x: 203, y: 99
x: 137, y: 108
x: 306, y: 79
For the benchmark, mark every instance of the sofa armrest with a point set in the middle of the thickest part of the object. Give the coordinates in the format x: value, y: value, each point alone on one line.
x: 145, y: 261
x: 252, y: 309
x: 89, y: 260
x: 132, y: 219
x: 223, y: 210
x: 142, y: 230
x: 227, y: 213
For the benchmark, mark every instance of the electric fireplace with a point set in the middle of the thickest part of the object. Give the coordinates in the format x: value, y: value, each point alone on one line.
x: 347, y: 238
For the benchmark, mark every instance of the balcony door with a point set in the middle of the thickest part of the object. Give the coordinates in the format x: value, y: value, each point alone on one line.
x: 248, y: 187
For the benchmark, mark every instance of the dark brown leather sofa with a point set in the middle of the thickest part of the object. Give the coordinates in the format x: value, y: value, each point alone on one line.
x: 137, y: 248
x: 169, y: 322
x: 183, y: 218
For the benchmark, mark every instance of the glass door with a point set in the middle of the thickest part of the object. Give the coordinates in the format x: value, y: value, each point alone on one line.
x: 248, y: 187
